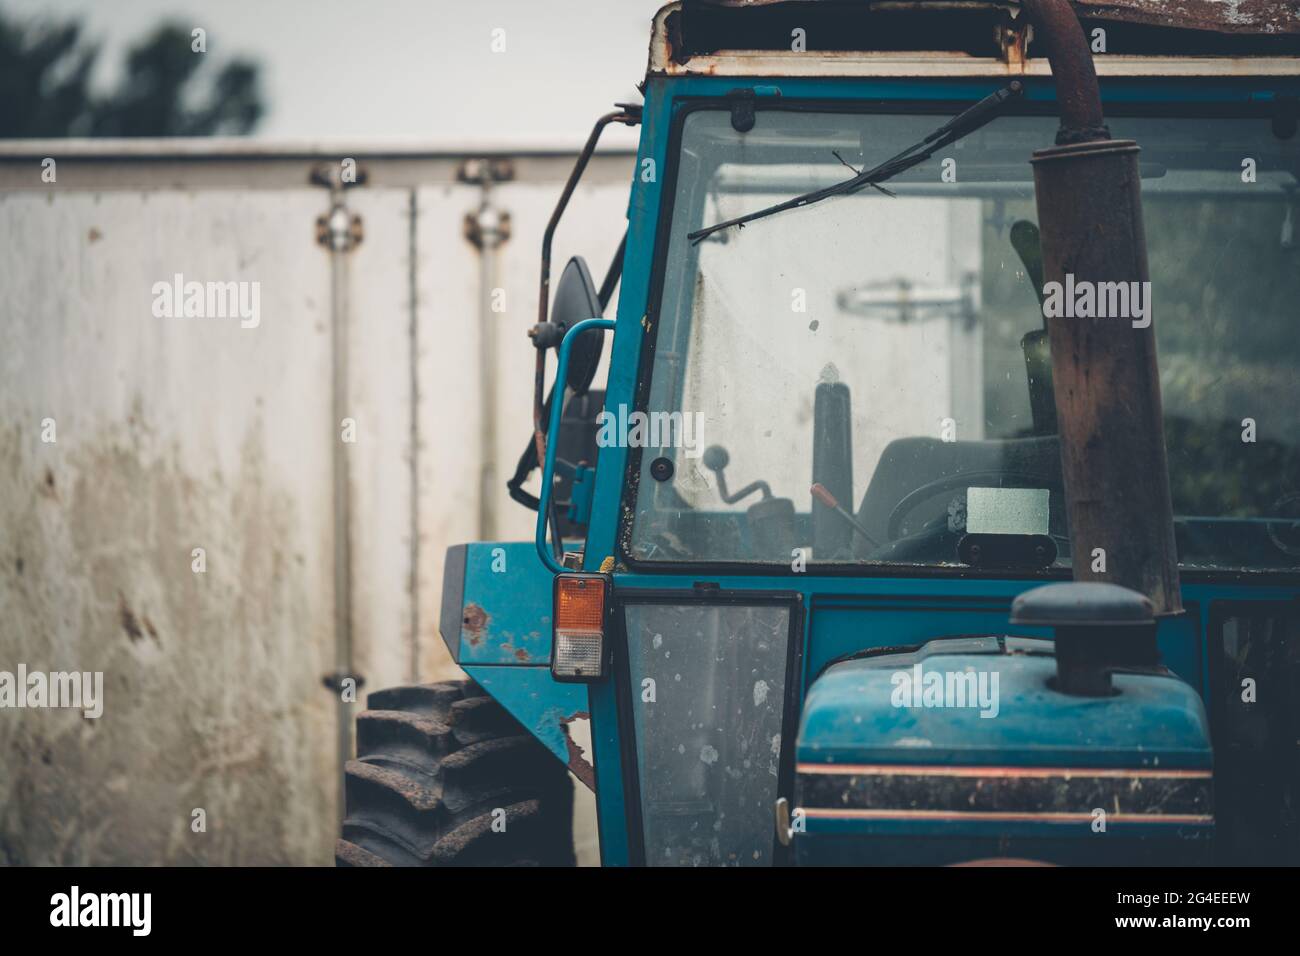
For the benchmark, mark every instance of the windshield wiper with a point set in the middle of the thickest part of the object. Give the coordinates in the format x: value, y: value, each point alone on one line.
x: 960, y: 125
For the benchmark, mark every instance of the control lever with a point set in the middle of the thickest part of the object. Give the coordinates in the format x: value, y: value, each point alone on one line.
x: 715, y: 459
x: 771, y: 520
x: 825, y: 497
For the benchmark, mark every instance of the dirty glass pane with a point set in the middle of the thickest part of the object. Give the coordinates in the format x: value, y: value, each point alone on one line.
x: 919, y: 309
x: 1256, y: 775
x: 708, y: 729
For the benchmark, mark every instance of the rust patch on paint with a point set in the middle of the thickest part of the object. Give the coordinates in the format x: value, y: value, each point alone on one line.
x: 475, y: 620
x: 673, y: 42
x: 579, y: 725
x: 518, y: 653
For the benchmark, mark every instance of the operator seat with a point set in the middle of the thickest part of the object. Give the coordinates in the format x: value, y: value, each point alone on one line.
x: 909, y: 463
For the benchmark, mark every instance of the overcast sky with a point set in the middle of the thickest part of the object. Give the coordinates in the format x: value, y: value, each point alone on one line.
x: 404, y: 69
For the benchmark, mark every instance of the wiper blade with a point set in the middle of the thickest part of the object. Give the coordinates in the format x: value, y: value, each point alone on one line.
x: 960, y: 125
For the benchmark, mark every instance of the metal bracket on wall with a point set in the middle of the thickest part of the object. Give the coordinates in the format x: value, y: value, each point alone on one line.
x: 486, y: 170
x: 487, y: 227
x: 339, y: 230
x: 345, y: 174
x: 334, y: 680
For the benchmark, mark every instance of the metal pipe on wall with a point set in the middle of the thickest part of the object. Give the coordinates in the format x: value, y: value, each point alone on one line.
x: 413, y: 359
x: 338, y: 237
x: 487, y: 228
x: 339, y: 231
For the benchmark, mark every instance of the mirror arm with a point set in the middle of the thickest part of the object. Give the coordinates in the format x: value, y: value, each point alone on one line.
x: 628, y: 115
x: 612, y: 275
x: 546, y: 550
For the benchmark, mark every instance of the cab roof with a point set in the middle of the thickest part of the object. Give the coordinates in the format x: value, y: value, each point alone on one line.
x: 1222, y: 16
x: 969, y: 38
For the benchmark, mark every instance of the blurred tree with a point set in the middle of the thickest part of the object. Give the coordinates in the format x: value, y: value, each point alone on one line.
x: 45, y: 72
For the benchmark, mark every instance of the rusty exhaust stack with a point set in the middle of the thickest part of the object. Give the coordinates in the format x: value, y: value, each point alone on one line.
x: 1109, y: 413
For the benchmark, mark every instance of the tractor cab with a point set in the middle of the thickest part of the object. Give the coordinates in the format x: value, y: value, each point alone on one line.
x: 942, y: 499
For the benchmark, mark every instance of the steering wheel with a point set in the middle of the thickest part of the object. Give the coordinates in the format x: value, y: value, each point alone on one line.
x: 893, y: 527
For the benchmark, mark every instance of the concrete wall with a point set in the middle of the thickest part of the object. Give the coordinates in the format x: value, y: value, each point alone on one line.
x: 175, y: 433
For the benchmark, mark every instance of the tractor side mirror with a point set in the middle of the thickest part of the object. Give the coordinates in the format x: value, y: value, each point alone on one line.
x: 576, y: 300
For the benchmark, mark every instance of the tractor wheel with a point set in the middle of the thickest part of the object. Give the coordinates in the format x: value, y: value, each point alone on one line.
x: 444, y: 776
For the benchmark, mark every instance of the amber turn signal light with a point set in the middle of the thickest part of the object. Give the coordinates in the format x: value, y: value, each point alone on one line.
x: 578, y: 652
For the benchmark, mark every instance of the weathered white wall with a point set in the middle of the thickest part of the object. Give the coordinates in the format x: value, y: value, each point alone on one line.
x: 178, y: 433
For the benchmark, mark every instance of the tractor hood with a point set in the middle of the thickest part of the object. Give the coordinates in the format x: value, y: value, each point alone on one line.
x: 963, y: 751
x: 987, y: 701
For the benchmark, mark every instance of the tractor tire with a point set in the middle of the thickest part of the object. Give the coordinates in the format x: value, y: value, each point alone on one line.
x: 444, y: 776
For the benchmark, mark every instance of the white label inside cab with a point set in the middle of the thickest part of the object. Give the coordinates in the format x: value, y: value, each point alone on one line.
x: 1006, y: 510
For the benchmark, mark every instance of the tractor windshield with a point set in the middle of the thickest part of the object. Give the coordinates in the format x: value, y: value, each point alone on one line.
x: 866, y: 380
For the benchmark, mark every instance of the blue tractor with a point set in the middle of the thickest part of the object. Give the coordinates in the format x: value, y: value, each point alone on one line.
x: 888, y: 540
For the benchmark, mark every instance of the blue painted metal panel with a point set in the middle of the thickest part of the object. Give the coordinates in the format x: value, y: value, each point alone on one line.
x: 850, y: 717
x: 857, y: 714
x: 842, y: 627
x: 506, y: 616
x: 643, y: 209
x: 546, y: 707
x: 909, y: 611
x: 1036, y: 89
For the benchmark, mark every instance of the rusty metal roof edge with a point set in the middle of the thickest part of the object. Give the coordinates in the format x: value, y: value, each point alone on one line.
x: 1264, y: 17
x: 925, y: 64
x: 741, y: 63
x: 1274, y: 17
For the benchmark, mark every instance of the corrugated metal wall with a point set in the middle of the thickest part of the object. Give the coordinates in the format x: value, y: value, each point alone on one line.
x: 176, y: 433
